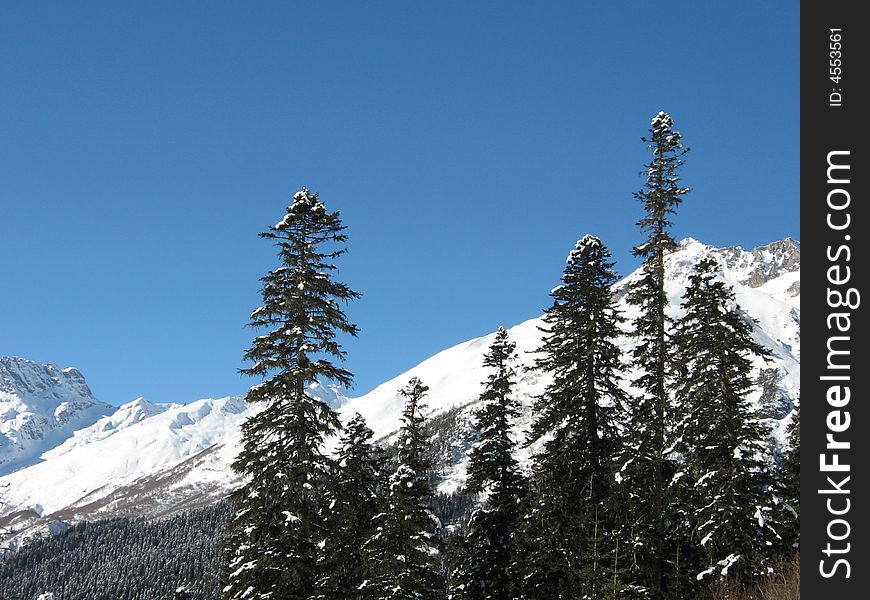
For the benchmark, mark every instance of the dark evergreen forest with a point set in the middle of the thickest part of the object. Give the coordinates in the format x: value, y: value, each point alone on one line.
x: 122, y: 559
x: 135, y: 559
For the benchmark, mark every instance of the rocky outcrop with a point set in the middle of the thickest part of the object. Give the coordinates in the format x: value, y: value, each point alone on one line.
x: 40, y: 407
x: 764, y: 263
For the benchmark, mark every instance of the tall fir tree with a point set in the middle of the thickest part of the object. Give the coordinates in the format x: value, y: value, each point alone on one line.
x: 645, y: 462
x: 403, y: 553
x: 487, y: 569
x: 730, y: 506
x: 354, y: 498
x: 567, y: 534
x: 272, y: 541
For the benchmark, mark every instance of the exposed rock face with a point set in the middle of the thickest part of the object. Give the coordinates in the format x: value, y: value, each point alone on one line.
x: 27, y: 379
x: 765, y: 262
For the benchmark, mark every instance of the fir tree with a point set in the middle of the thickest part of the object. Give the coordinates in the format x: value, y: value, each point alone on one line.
x: 772, y: 403
x: 722, y: 439
x: 486, y: 572
x: 567, y: 534
x: 645, y: 463
x: 354, y: 500
x: 402, y: 555
x: 790, y: 481
x: 273, y: 538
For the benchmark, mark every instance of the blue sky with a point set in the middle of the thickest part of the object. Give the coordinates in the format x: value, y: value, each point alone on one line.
x: 143, y: 145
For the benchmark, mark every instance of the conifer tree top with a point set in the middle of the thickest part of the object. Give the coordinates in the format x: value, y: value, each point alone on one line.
x: 303, y: 202
x: 587, y: 242
x: 413, y: 392
x: 665, y: 138
x: 357, y: 421
x: 662, y: 128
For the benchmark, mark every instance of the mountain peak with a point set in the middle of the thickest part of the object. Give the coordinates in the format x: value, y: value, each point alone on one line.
x: 134, y: 411
x: 40, y: 406
x: 688, y: 242
x: 141, y: 403
x: 26, y: 378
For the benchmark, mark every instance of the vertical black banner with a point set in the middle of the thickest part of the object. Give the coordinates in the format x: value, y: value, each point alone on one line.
x: 835, y: 420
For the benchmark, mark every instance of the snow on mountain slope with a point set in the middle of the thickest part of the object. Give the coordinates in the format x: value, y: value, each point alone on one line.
x: 71, y: 473
x: 153, y: 459
x: 125, y: 416
x: 330, y: 393
x: 40, y: 407
x: 454, y: 378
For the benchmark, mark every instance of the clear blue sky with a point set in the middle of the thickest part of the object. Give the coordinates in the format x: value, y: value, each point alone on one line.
x: 143, y: 145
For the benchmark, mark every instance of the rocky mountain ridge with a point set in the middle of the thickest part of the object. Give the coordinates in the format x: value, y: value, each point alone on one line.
x: 41, y: 406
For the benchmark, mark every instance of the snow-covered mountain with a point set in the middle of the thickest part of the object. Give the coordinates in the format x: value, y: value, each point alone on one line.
x: 40, y: 407
x: 141, y: 459
x: 149, y: 459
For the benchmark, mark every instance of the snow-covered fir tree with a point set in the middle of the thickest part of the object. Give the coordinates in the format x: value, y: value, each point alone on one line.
x: 567, y: 534
x: 272, y: 542
x: 403, y: 553
x: 729, y: 503
x: 487, y: 562
x: 354, y: 500
x: 646, y: 466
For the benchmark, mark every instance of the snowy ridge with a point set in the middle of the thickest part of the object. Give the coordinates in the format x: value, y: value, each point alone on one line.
x: 125, y: 416
x: 72, y: 472
x: 129, y: 463
x: 143, y: 458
